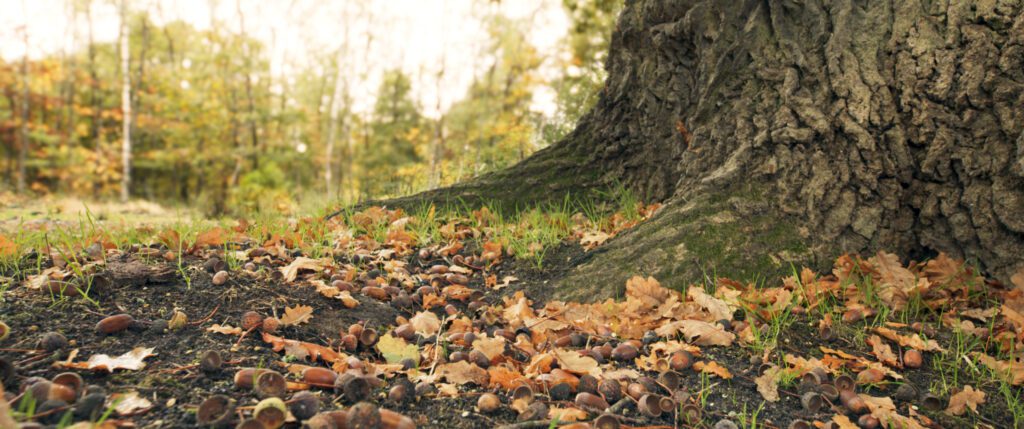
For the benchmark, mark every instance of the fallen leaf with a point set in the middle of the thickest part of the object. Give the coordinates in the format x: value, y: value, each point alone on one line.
x: 592, y: 239
x: 698, y: 332
x: 128, y: 403
x: 768, y: 383
x: 719, y: 309
x: 1011, y: 370
x: 505, y: 377
x: 291, y: 271
x: 300, y: 349
x: 463, y: 372
x: 296, y: 315
x: 913, y: 341
x: 425, y: 323
x: 647, y: 291
x: 490, y: 347
x: 712, y: 367
x: 967, y: 398
x: 7, y: 247
x: 570, y: 414
x: 882, y: 351
x: 395, y: 349
x: 132, y: 361
x: 225, y: 329
x: 885, y: 411
x: 844, y: 422
x: 574, y: 362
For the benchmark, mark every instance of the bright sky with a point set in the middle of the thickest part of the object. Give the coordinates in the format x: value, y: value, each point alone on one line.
x: 417, y: 35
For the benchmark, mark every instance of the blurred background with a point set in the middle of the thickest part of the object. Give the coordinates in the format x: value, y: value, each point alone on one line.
x: 233, y: 107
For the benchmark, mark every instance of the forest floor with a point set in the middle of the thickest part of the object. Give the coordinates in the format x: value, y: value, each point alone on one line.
x: 387, y: 319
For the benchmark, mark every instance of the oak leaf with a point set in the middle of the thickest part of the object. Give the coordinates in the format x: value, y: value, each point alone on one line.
x: 712, y: 367
x: 425, y: 323
x: 490, y: 347
x: 463, y: 372
x: 302, y: 263
x: 967, y: 398
x: 574, y: 362
x: 225, y: 329
x: 395, y: 349
x: 296, y: 315
x: 132, y: 361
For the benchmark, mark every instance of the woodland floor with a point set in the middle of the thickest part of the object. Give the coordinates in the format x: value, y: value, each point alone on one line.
x: 775, y: 329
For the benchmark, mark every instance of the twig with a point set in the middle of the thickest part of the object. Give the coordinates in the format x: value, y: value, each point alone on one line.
x: 203, y: 320
x: 241, y: 337
x: 531, y: 424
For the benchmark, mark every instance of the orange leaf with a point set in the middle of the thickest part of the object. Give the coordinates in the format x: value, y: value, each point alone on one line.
x: 301, y: 349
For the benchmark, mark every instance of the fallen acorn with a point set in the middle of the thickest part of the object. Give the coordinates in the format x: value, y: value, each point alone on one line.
x: 488, y: 403
x: 931, y: 402
x: 591, y: 402
x: 906, y: 392
x: 114, y: 324
x: 49, y: 412
x: 535, y: 411
x: 364, y: 415
x: 400, y: 393
x: 607, y: 421
x: 4, y: 331
x: 245, y: 378
x: 560, y: 392
x: 844, y: 382
x: 669, y: 380
x: 667, y: 404
x: 690, y: 413
x: 52, y: 341
x: 588, y: 383
x: 680, y: 360
x: 479, y: 358
x: 868, y: 421
x: 912, y: 358
x: 870, y: 376
x: 522, y: 392
x: 304, y: 405
x: 319, y: 376
x: 829, y: 391
x: 270, y: 384
x: 211, y: 361
x: 611, y: 390
x: 178, y: 320
x: 375, y: 292
x: 340, y: 419
x: 852, y: 402
x: 368, y: 337
x: 251, y: 320
x: 271, y: 412
x: 853, y: 315
x: 91, y: 406
x: 649, y: 405
x: 216, y: 410
x: 349, y: 342
x: 251, y: 424
x: 725, y: 424
x: 270, y: 325
x: 635, y: 390
x: 800, y: 424
x: 811, y: 401
x: 354, y: 387
x: 625, y: 352
x: 220, y: 278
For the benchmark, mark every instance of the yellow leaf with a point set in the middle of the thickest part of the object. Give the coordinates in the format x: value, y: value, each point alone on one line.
x: 712, y: 367
x: 296, y: 315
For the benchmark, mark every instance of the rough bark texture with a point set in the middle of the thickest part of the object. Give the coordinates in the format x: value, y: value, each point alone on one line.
x: 788, y: 131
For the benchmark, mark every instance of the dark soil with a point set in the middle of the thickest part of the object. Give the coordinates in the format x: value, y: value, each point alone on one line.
x: 175, y: 386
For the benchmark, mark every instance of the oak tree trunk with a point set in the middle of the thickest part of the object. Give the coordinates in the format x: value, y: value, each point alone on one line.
x: 783, y: 132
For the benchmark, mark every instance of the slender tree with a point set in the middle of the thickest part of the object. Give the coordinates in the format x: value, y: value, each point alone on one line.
x: 126, y: 106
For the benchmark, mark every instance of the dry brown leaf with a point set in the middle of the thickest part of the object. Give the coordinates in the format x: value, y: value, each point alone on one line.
x: 225, y: 329
x: 572, y: 361
x: 913, y: 341
x: 570, y: 414
x: 647, y: 291
x: 768, y: 383
x: 132, y: 361
x: 1011, y: 370
x: 967, y: 398
x: 300, y: 349
x: 592, y: 239
x: 698, y: 332
x: 883, y: 351
x: 425, y: 323
x: 302, y: 263
x: 505, y: 377
x: 490, y: 347
x: 719, y: 309
x: 895, y: 282
x: 457, y: 292
x: 129, y: 403
x: 7, y: 247
x: 1018, y: 279
x: 463, y: 372
x: 712, y: 367
x: 844, y: 422
x: 296, y: 315
x: 885, y: 411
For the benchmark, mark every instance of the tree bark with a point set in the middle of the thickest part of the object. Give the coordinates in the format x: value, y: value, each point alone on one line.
x: 780, y: 132
x: 126, y: 106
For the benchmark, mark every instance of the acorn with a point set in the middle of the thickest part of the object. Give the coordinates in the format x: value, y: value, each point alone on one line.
x: 588, y: 383
x: 667, y: 404
x: 405, y: 332
x: 245, y: 378
x: 635, y: 390
x: 853, y: 315
x: 611, y: 390
x: 251, y: 319
x: 669, y: 380
x: 408, y: 363
x: 368, y: 337
x: 522, y: 391
x: 690, y: 413
x: 114, y: 324
x: 811, y: 401
x: 211, y: 362
x: 536, y: 411
x: 91, y: 406
x: 349, y: 342
x: 249, y: 266
x: 607, y: 421
x: 591, y: 401
x: 479, y: 358
x: 178, y: 320
x: 304, y: 405
x: 375, y: 293
x: 324, y: 420
x: 425, y: 389
x: 319, y: 376
x: 51, y: 411
x: 649, y: 405
x: 400, y: 393
x: 52, y: 341
x: 71, y: 380
x: 363, y: 415
x: 270, y: 384
x: 906, y: 392
x: 625, y: 352
x: 271, y: 412
x: 488, y: 403
x: 844, y: 382
x: 270, y: 325
x: 563, y: 341
x: 216, y: 410
x: 680, y: 360
x: 912, y: 358
x: 457, y: 279
x: 829, y: 391
x: 931, y: 402
x: 560, y: 392
x: 220, y: 278
x: 868, y: 421
x: 800, y: 424
x: 4, y: 331
x: 870, y: 376
x: 354, y: 388
x: 852, y: 402
x: 458, y: 356
x: 725, y: 424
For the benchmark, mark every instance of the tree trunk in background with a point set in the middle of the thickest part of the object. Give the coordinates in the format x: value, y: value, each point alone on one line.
x: 126, y: 106
x: 783, y: 131
x: 20, y: 184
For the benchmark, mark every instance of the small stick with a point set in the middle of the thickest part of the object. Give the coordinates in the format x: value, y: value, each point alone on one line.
x: 203, y: 320
x: 241, y: 337
x: 532, y: 424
